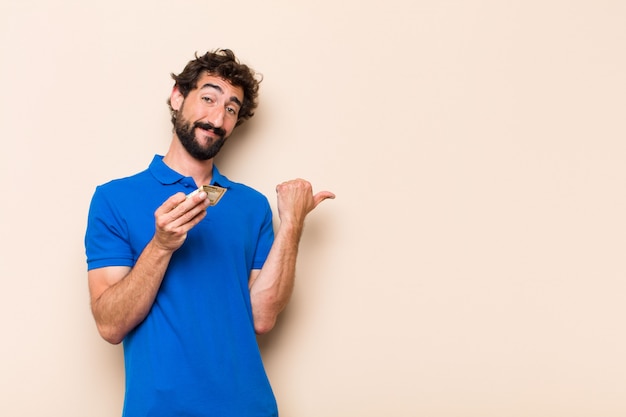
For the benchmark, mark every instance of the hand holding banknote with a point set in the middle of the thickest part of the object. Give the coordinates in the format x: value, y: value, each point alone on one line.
x: 176, y: 216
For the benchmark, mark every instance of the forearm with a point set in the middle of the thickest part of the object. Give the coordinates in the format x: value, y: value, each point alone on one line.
x: 271, y: 290
x: 122, y: 306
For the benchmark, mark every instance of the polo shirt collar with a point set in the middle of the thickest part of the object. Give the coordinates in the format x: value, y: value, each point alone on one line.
x: 219, y: 179
x: 167, y: 176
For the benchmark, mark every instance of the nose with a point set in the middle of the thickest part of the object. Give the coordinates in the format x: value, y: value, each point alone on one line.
x: 216, y: 116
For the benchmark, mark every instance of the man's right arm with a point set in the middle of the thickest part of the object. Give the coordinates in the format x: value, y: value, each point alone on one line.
x: 121, y: 297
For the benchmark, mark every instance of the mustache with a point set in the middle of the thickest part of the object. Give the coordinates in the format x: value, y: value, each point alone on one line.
x: 209, y: 126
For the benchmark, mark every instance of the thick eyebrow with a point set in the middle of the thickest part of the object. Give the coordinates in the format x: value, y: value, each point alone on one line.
x: 234, y: 99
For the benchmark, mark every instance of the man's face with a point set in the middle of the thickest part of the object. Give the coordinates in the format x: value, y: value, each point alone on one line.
x: 207, y: 116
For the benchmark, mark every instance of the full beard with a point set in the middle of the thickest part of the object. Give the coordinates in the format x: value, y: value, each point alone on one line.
x: 186, y: 133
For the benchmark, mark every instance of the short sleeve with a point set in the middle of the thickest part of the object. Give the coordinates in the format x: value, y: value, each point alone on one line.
x: 106, y: 238
x: 266, y: 239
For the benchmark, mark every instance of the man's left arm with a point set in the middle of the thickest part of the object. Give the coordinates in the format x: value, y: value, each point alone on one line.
x: 272, y: 285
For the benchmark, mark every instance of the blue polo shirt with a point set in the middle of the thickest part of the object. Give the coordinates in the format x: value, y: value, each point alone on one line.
x: 196, y: 352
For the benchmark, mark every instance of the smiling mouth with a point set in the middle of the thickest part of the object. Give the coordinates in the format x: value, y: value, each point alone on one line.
x: 209, y: 129
x: 207, y: 132
x: 206, y: 136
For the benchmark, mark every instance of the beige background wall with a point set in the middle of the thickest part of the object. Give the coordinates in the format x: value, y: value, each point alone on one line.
x: 473, y: 261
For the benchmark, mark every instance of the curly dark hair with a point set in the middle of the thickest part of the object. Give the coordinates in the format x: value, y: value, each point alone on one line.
x: 224, y: 64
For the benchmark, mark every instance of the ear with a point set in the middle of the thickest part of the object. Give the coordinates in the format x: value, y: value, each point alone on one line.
x: 176, y: 98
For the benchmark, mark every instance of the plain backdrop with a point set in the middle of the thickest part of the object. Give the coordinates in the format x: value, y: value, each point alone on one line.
x: 472, y: 263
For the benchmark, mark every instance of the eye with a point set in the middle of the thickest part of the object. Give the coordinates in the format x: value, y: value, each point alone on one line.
x: 207, y: 99
x: 231, y: 110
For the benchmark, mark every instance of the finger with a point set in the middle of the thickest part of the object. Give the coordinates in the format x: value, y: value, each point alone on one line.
x: 321, y: 196
x: 192, y: 210
x: 198, y: 197
x: 171, y: 203
x: 294, y: 184
x: 178, y: 205
x: 191, y: 218
x: 191, y: 200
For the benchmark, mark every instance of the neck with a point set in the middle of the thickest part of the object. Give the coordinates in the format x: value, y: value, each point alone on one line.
x: 180, y: 161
